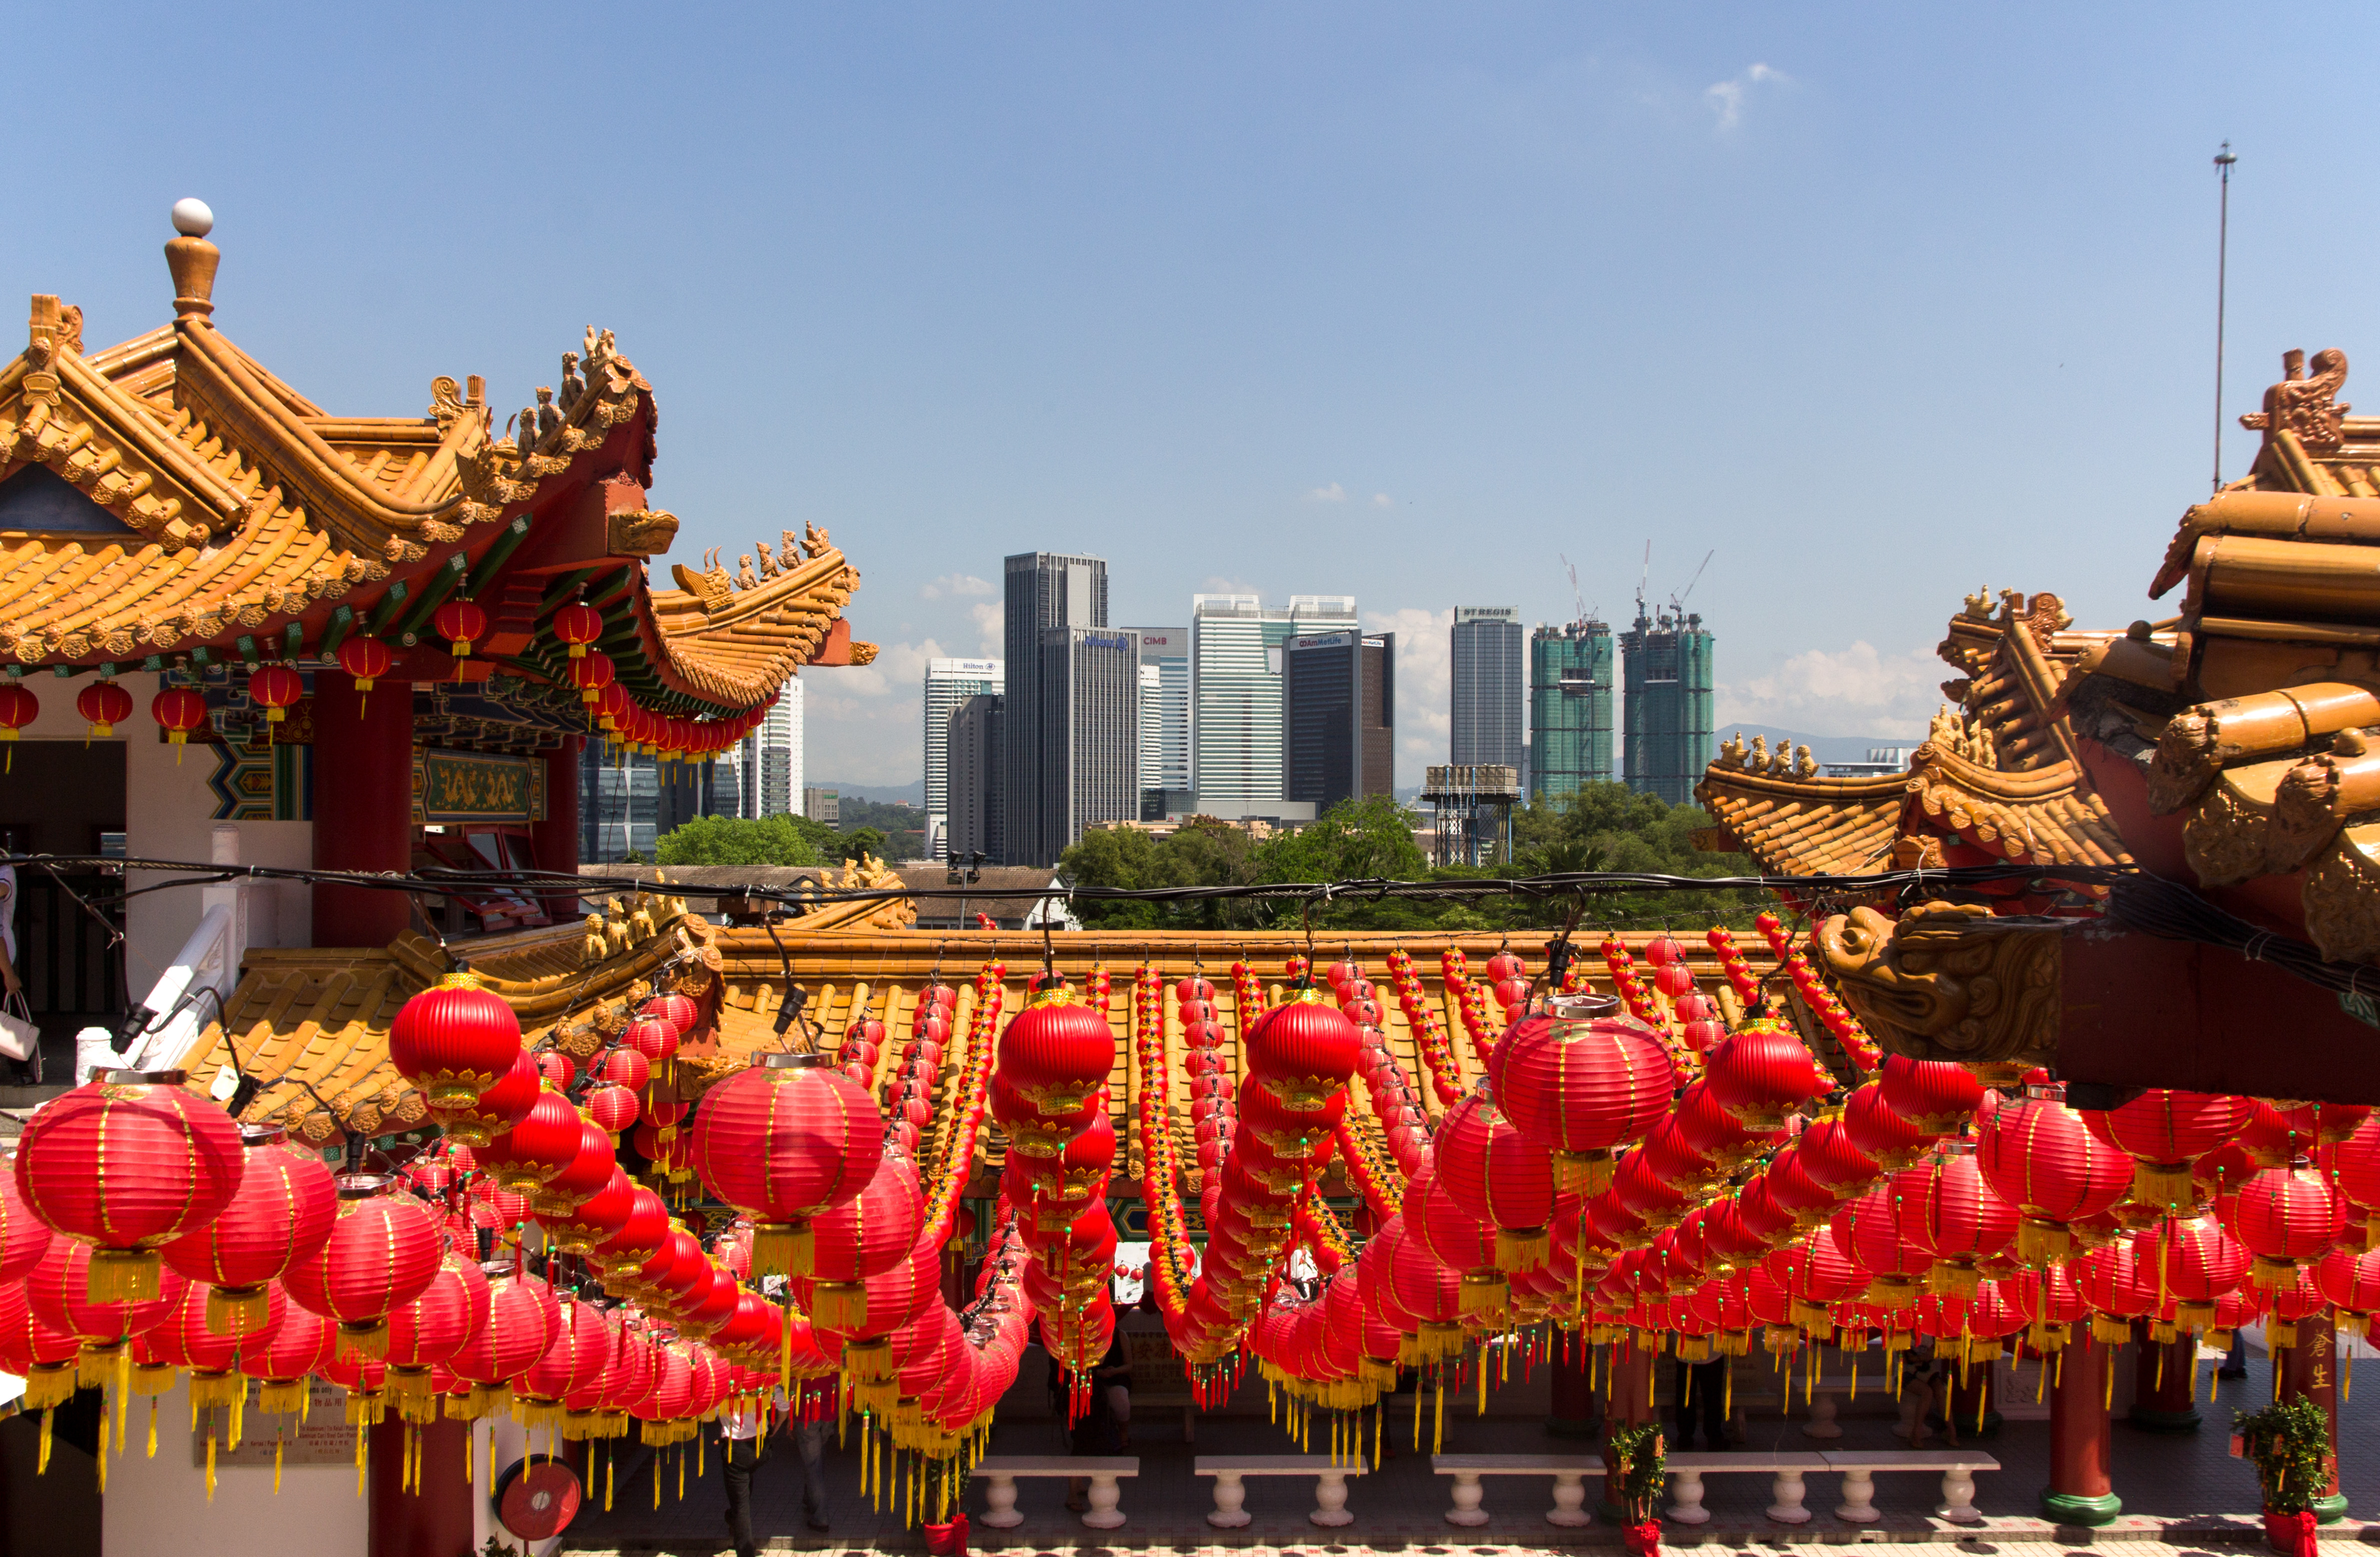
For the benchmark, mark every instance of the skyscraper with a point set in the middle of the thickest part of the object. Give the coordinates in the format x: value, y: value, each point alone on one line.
x: 1043, y: 590
x: 948, y: 684
x: 973, y: 787
x: 1164, y: 720
x: 778, y: 754
x: 1236, y: 671
x: 1666, y: 661
x: 1570, y: 708
x: 1487, y: 705
x: 1089, y: 733
x: 1339, y: 707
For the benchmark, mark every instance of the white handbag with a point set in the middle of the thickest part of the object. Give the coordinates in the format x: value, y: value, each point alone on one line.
x: 20, y: 1037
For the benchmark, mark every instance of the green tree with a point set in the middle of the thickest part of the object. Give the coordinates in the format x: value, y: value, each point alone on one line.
x: 858, y: 842
x: 718, y: 840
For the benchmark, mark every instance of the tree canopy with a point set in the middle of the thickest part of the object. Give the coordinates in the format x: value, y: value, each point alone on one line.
x: 1602, y: 827
x: 768, y: 840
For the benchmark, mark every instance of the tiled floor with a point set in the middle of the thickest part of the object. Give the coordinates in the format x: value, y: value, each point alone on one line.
x: 2180, y: 1492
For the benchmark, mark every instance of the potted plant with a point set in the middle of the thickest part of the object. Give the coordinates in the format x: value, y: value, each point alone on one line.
x: 1638, y: 1454
x: 2288, y: 1443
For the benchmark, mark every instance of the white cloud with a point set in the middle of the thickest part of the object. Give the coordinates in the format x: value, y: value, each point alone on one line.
x: 1380, y: 500
x: 1855, y: 691
x: 1727, y: 98
x: 956, y: 585
x: 991, y: 630
x: 1334, y: 493
x: 1424, y: 684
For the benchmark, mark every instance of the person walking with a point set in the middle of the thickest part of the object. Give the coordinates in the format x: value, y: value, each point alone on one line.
x: 814, y: 1418
x: 1701, y: 1396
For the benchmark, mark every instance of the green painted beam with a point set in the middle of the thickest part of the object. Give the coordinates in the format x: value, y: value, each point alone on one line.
x: 293, y: 640
x: 434, y: 591
x: 343, y: 622
x: 499, y: 551
x: 390, y: 605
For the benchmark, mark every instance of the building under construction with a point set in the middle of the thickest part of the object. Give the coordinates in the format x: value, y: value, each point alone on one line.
x: 1570, y: 708
x: 1666, y: 666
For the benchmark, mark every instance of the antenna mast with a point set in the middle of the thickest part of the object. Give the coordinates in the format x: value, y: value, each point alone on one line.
x: 2223, y: 162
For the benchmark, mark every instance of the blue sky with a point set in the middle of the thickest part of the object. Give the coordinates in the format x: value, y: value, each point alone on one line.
x: 1879, y: 303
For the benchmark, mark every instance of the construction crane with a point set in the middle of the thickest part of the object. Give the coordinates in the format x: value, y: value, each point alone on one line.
x: 1644, y: 576
x: 1678, y: 602
x: 1577, y: 598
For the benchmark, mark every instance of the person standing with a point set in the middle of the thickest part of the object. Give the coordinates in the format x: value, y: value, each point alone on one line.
x: 1702, y: 1397
x: 813, y: 1417
x: 744, y: 1443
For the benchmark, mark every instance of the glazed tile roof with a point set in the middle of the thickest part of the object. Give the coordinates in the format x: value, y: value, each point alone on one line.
x: 1996, y: 778
x: 170, y: 496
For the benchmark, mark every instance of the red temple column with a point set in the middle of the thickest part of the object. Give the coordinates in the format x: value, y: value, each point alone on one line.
x: 556, y: 838
x: 363, y: 806
x: 2079, y: 1438
x: 2165, y: 1397
x: 2310, y: 1370
x: 433, y: 1520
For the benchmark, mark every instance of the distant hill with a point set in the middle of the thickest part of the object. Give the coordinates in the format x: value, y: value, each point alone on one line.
x: 891, y: 795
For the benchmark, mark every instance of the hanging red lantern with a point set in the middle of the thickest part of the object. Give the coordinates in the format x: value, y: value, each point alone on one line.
x: 864, y: 1236
x: 432, y: 1327
x: 178, y: 710
x: 2350, y: 1278
x: 595, y: 1218
x: 524, y: 1318
x: 366, y: 660
x: 455, y: 1041
x: 2195, y: 1264
x: 498, y: 1109
x: 625, y: 1066
x: 283, y: 1211
x: 1302, y: 1050
x: 383, y: 1250
x: 1937, y: 1096
x: 103, y: 705
x: 2165, y: 1132
x: 587, y: 1172
x: 2287, y: 1216
x: 679, y: 1011
x: 783, y: 1141
x: 1871, y: 1125
x: 128, y: 1163
x: 591, y: 673
x: 1056, y: 1052
x: 23, y: 1236
x: 303, y: 1343
x: 1947, y: 1209
x: 1869, y: 1230
x: 273, y: 689
x: 614, y: 707
x: 1580, y: 1082
x: 640, y: 1237
x: 577, y: 624
x: 18, y: 708
x: 613, y: 1108
x: 1763, y: 1072
x: 2045, y: 1162
x: 462, y: 624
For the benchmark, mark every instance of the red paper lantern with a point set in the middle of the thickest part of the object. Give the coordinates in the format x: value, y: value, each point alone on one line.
x: 613, y: 1108
x: 23, y: 1236
x: 2165, y: 1132
x: 1056, y: 1052
x: 301, y: 1344
x: 864, y: 1236
x: 128, y: 1163
x: 1936, y: 1096
x: 545, y: 1141
x: 365, y: 659
x: 383, y: 1250
x: 462, y: 624
x: 434, y: 1325
x: 639, y: 1237
x: 2350, y: 1278
x: 18, y: 708
x: 524, y: 1318
x: 577, y: 624
x: 273, y: 689
x: 59, y: 1288
x: 1947, y: 1210
x: 783, y: 1141
x: 455, y: 1041
x: 679, y: 1011
x: 1302, y: 1050
x: 1869, y: 1230
x: 591, y: 673
x: 1579, y: 1083
x: 178, y: 710
x: 498, y: 1109
x: 1762, y: 1073
x: 613, y: 706
x: 2044, y: 1160
x: 2285, y: 1216
x: 2195, y: 1263
x: 103, y: 705
x: 1871, y: 1125
x: 583, y: 1346
x: 585, y: 1175
x: 595, y: 1218
x: 283, y: 1211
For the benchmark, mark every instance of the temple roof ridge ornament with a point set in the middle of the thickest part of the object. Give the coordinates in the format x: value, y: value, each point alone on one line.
x: 2306, y: 406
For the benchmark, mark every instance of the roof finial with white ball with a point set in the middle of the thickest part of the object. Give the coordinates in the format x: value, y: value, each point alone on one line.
x: 193, y: 260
